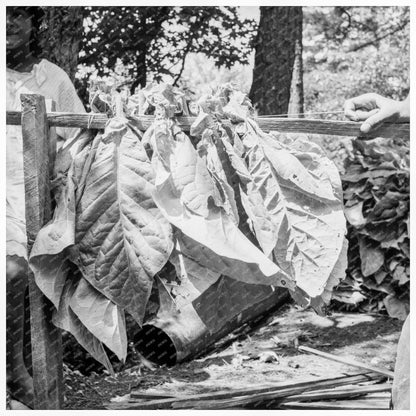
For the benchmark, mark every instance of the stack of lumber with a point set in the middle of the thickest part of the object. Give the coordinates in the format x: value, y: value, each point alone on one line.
x: 362, y: 391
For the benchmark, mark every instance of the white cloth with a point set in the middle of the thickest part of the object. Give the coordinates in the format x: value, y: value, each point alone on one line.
x: 54, y: 84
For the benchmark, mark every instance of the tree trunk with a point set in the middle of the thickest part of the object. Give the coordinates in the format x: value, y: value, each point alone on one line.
x: 296, y: 89
x: 61, y: 40
x: 278, y: 32
x: 141, y: 65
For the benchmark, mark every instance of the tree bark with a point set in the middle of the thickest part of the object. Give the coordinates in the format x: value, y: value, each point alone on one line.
x: 296, y: 89
x: 141, y: 65
x: 62, y: 37
x: 279, y: 30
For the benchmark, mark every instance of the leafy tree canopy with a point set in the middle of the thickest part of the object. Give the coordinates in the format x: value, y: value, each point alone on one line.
x: 152, y: 43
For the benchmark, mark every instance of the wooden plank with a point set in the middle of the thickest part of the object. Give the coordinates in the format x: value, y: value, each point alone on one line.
x: 294, y: 125
x: 341, y: 393
x: 189, y: 401
x: 46, y: 338
x: 347, y: 361
x: 338, y: 405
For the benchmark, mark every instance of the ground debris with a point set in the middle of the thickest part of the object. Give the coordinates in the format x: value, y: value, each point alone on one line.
x: 359, y: 336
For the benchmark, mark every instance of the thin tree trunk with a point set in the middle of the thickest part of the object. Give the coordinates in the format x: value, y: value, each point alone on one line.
x: 279, y: 29
x: 296, y: 89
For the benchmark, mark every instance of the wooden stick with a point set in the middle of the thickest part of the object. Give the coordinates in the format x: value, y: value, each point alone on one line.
x: 347, y: 361
x: 293, y: 387
x: 274, y: 397
x: 294, y: 125
x: 382, y: 404
x: 345, y: 392
x: 46, y: 338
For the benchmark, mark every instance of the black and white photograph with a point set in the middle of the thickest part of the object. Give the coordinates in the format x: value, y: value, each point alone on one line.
x: 207, y: 206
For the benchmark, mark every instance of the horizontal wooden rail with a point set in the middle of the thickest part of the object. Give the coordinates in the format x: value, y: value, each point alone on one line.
x: 295, y: 125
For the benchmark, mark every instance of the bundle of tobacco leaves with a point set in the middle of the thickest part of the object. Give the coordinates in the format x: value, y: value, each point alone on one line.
x: 263, y: 209
x: 377, y: 201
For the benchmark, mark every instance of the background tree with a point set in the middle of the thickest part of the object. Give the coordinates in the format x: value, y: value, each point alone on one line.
x: 152, y: 43
x: 61, y: 37
x: 296, y: 89
x: 279, y: 34
x: 349, y: 51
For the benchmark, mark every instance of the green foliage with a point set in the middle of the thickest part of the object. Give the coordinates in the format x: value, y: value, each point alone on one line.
x: 152, y: 43
x: 349, y: 51
x: 377, y: 200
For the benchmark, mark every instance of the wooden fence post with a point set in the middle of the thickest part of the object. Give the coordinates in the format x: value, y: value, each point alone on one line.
x: 46, y: 338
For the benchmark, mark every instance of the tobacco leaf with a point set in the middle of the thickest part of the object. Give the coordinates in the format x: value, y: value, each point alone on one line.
x: 184, y: 193
x: 395, y: 307
x: 303, y: 203
x: 107, y: 224
x: 66, y: 319
x: 225, y: 197
x: 372, y: 257
x: 354, y: 214
x: 91, y: 307
x: 122, y: 239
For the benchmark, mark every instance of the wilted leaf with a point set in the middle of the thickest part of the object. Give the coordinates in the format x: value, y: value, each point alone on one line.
x: 48, y: 258
x: 354, y: 215
x: 396, y: 308
x: 372, y: 257
x: 91, y: 307
x: 184, y: 193
x: 107, y: 224
x: 122, y: 239
x: 306, y: 215
x: 337, y: 275
x: 226, y: 198
x: 66, y: 319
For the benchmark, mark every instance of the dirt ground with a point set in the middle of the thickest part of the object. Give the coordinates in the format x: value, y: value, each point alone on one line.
x: 265, y: 356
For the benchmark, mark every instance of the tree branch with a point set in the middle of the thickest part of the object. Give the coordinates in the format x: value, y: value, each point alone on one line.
x: 186, y: 51
x: 377, y: 38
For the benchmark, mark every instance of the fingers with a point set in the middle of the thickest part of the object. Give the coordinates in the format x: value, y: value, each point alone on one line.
x: 358, y: 108
x: 349, y: 109
x: 362, y: 115
x: 373, y: 122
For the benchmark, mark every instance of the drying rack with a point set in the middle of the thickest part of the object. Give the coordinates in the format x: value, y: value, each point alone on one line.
x: 39, y: 144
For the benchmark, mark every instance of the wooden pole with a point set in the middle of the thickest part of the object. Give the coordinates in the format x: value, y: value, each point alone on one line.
x: 347, y: 361
x: 46, y: 338
x: 284, y: 125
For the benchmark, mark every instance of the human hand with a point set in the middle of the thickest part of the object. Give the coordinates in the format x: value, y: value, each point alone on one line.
x: 374, y: 110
